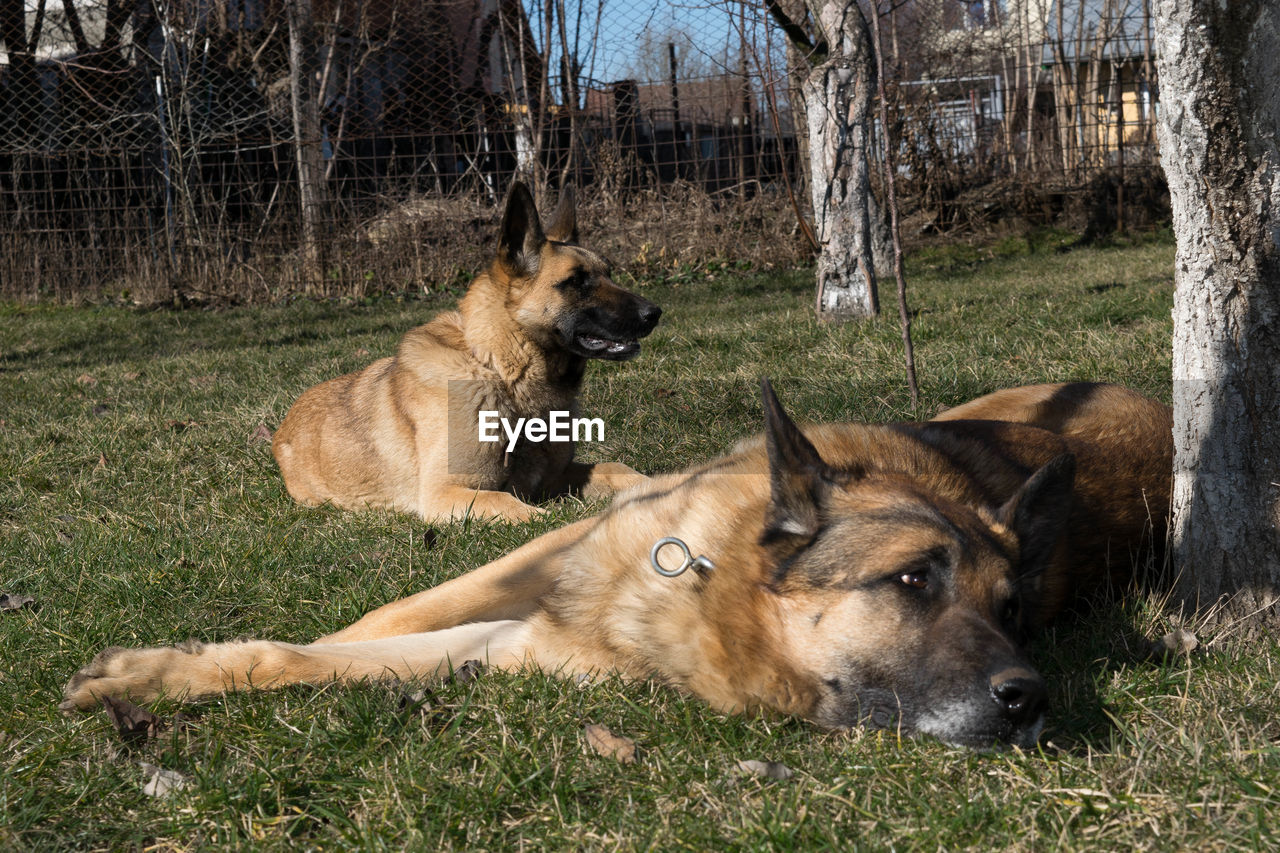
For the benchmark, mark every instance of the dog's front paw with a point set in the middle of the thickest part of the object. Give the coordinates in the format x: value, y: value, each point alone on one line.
x: 609, y: 478
x: 520, y: 511
x: 136, y: 674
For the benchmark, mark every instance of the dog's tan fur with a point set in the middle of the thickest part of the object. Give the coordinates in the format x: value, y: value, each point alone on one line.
x: 880, y: 574
x: 402, y: 433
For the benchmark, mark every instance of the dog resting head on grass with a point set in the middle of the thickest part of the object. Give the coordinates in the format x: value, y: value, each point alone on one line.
x: 404, y: 432
x: 852, y: 574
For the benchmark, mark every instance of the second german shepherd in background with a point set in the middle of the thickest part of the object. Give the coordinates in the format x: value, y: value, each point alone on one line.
x: 402, y: 433
x: 852, y: 574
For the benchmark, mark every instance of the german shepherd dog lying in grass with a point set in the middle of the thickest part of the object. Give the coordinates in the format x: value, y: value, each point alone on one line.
x: 848, y: 574
x: 403, y: 432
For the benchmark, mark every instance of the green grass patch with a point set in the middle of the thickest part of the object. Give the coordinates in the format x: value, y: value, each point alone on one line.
x: 137, y: 508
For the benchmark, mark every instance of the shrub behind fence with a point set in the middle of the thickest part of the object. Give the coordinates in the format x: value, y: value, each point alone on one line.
x: 252, y: 149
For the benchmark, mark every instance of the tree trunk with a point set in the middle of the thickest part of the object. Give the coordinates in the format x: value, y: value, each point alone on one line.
x: 1219, y: 129
x: 305, y: 104
x: 797, y: 72
x: 526, y: 88
x: 21, y: 96
x: 881, y: 237
x: 837, y: 104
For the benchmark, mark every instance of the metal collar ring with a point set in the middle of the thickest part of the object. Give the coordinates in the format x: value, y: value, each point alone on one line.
x: 699, y: 564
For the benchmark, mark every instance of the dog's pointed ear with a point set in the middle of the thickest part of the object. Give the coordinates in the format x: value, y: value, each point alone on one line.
x: 564, y: 222
x: 521, y: 238
x: 797, y: 476
x: 1037, y: 513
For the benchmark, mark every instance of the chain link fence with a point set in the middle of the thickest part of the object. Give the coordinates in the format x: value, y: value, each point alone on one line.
x: 1043, y: 110
x: 248, y: 150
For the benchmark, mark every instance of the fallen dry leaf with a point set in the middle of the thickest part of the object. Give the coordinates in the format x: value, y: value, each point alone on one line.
x: 424, y: 704
x: 604, y: 742
x: 467, y: 673
x: 15, y: 601
x: 421, y: 702
x: 416, y: 701
x: 102, y: 461
x: 130, y: 376
x: 362, y: 352
x: 160, y: 782
x: 133, y: 723
x: 179, y: 426
x: 261, y: 434
x: 86, y: 379
x: 1179, y: 641
x: 775, y: 770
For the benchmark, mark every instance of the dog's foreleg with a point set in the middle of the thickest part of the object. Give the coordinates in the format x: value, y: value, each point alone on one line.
x: 209, y: 669
x: 507, y: 588
x: 440, y: 492
x: 602, y: 480
x: 454, y: 503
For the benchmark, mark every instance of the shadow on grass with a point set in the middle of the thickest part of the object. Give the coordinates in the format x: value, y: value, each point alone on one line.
x: 1079, y: 658
x: 87, y: 340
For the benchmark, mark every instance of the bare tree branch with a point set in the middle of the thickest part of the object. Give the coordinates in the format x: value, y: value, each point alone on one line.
x: 77, y: 29
x: 796, y: 33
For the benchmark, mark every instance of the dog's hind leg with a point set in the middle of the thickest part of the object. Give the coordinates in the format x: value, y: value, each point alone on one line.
x: 507, y: 588
x: 209, y: 669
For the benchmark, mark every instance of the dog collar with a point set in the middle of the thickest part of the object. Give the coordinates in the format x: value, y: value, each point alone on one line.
x: 699, y: 564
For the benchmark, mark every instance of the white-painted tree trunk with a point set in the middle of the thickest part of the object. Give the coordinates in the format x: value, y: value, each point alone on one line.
x: 1219, y: 69
x: 526, y: 149
x: 837, y: 104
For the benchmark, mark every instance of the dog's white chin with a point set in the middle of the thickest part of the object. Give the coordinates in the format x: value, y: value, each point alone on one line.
x: 961, y: 724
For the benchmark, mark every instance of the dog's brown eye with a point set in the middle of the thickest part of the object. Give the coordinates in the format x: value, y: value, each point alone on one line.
x: 918, y: 580
x: 1009, y: 613
x: 579, y: 281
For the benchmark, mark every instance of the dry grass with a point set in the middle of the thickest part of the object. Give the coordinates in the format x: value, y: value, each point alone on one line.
x: 409, y: 247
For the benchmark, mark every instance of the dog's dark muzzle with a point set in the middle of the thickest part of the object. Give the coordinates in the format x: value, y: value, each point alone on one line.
x: 1005, y: 706
x: 1019, y: 695
x: 614, y: 333
x: 1020, y: 702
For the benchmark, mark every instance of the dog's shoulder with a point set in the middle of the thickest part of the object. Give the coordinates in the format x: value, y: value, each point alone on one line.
x: 437, y: 349
x: 442, y: 332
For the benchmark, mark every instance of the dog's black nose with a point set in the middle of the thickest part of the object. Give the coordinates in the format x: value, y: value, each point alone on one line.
x: 649, y: 314
x: 1020, y: 695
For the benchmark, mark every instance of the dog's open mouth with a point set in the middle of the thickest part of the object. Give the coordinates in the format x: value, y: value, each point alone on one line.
x: 606, y: 347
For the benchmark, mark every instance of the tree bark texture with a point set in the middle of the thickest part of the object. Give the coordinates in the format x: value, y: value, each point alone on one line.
x: 305, y: 103
x: 1219, y: 70
x: 837, y: 104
